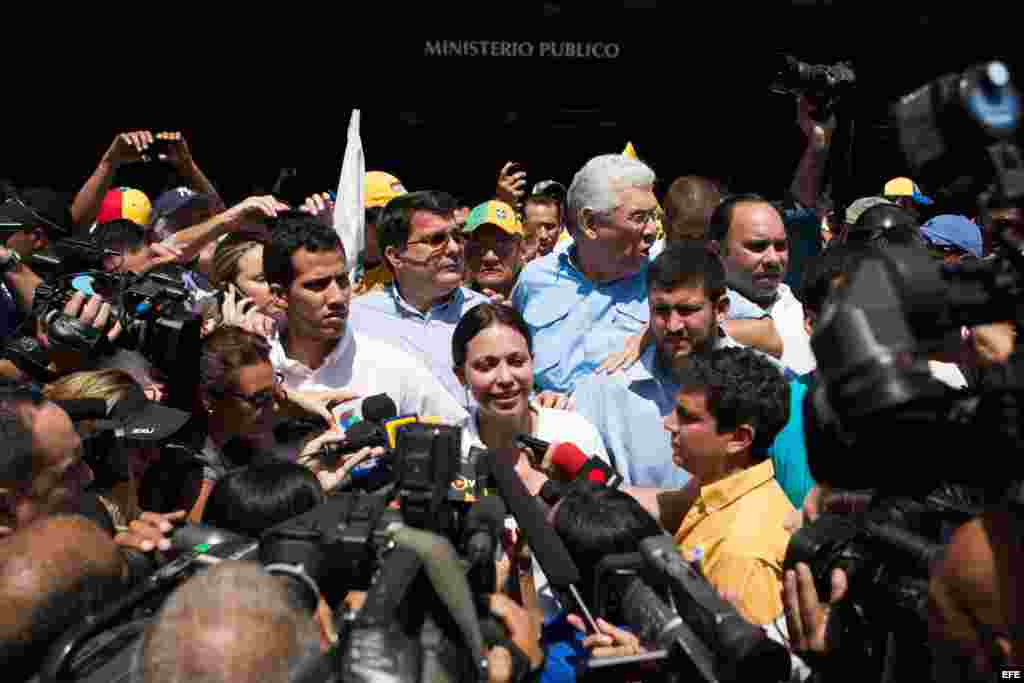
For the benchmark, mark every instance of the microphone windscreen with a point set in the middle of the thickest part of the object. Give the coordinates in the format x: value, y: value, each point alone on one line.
x: 547, y: 547
x: 378, y: 408
x: 569, y: 458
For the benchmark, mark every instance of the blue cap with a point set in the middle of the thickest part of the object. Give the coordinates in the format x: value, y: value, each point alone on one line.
x: 175, y: 199
x: 958, y: 231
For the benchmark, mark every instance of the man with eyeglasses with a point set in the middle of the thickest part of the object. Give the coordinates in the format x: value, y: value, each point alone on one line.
x: 424, y: 248
x: 494, y: 246
x: 582, y: 303
x: 320, y: 349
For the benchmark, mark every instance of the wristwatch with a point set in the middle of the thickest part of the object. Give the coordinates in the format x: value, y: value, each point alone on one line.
x: 9, y: 261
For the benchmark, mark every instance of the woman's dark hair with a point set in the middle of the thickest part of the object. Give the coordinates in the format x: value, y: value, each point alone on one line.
x: 224, y: 352
x: 251, y: 500
x: 478, y: 319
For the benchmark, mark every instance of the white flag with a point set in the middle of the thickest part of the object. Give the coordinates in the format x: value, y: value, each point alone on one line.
x: 349, y: 215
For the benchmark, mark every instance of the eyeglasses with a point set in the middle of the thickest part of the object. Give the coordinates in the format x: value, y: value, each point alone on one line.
x: 643, y: 218
x: 260, y: 399
x: 439, y: 240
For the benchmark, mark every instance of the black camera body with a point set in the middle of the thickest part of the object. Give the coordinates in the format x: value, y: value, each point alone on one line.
x: 822, y: 84
x: 153, y: 311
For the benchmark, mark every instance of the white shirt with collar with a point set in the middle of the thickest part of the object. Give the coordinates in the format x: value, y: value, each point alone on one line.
x: 788, y: 314
x: 370, y: 366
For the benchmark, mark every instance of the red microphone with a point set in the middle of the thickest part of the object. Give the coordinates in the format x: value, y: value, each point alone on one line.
x: 574, y: 462
x: 571, y: 460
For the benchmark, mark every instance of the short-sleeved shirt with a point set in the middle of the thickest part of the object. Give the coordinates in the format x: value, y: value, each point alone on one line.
x: 737, y: 524
x: 426, y: 336
x: 576, y: 324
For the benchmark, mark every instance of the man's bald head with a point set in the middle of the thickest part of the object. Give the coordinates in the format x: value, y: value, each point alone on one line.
x: 53, y: 573
x: 689, y: 203
x: 232, y: 624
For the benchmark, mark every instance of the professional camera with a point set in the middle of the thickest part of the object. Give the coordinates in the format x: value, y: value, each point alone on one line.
x: 664, y: 599
x: 875, y: 417
x: 822, y: 84
x: 898, y: 305
x: 152, y: 309
x: 956, y: 133
x: 421, y: 598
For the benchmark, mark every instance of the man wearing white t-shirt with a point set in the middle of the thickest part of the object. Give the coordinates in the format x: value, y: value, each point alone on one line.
x: 305, y: 264
x: 749, y: 234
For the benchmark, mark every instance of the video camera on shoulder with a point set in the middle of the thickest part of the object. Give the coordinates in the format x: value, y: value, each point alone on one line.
x: 152, y: 309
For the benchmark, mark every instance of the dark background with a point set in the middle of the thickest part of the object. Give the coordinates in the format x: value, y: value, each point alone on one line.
x: 266, y: 90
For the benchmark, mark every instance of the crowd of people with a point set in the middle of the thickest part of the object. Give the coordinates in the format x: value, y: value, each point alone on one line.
x: 669, y: 337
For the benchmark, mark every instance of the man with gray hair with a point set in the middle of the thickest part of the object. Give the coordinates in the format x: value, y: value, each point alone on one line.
x: 232, y: 624
x: 582, y: 303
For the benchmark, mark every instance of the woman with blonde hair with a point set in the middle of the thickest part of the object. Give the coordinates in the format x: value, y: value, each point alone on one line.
x: 237, y: 271
x: 119, y: 470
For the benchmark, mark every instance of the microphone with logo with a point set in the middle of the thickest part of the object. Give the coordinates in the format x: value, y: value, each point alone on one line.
x: 574, y: 464
x: 370, y: 432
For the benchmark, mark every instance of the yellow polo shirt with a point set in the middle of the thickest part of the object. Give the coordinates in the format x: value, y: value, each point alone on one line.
x: 738, y: 525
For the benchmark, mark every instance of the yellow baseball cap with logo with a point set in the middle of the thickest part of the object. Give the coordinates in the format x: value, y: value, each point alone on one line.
x: 494, y: 213
x: 381, y: 188
x: 905, y: 187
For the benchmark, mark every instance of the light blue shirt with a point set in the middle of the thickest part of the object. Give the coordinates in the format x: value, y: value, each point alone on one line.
x: 575, y: 323
x: 427, y: 336
x: 629, y: 408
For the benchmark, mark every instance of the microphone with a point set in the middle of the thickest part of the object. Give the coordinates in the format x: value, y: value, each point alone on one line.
x: 547, y: 547
x: 484, y: 523
x: 368, y: 433
x: 574, y: 462
x: 568, y: 458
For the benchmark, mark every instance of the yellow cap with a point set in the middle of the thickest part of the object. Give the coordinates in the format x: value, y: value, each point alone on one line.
x: 381, y: 188
x: 494, y: 213
x: 630, y: 151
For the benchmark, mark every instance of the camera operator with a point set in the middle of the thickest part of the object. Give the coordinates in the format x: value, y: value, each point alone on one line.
x: 971, y: 603
x: 54, y: 572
